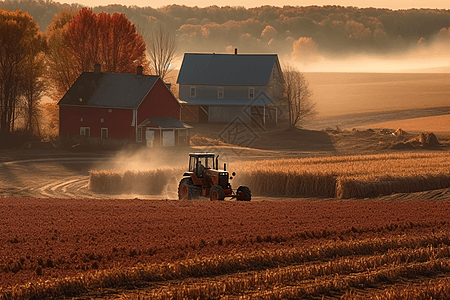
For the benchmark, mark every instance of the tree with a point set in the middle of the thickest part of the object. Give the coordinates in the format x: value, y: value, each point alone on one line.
x: 20, y: 43
x: 33, y: 89
x: 162, y: 50
x: 79, y: 40
x: 61, y: 72
x: 297, y: 96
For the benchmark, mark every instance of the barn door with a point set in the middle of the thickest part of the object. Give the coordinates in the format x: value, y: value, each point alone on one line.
x: 169, y: 138
x: 149, y: 136
x: 104, y: 133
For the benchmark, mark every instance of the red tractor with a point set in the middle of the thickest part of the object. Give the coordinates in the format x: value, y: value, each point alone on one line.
x: 205, y: 179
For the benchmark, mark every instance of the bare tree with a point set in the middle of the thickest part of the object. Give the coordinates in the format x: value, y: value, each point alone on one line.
x: 20, y: 42
x: 162, y: 50
x: 32, y: 91
x: 297, y: 96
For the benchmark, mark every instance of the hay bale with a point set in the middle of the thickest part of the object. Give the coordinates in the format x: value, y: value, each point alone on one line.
x: 402, y: 146
x: 429, y: 140
x: 400, y: 132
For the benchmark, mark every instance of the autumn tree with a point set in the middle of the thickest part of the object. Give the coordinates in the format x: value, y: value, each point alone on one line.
x: 61, y: 72
x: 297, y: 96
x: 162, y: 50
x: 32, y: 90
x: 20, y: 44
x: 78, y: 40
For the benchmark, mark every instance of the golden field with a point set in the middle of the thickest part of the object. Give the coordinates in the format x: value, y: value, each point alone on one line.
x: 132, y: 182
x: 348, y: 176
x: 356, y: 93
x: 339, y: 177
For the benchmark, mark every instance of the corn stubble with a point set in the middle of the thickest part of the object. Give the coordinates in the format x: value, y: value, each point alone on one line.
x: 340, y: 177
x: 379, y: 268
x: 348, y: 176
x: 150, y: 182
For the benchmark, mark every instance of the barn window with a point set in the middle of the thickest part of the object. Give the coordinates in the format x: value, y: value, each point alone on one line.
x: 220, y: 92
x: 102, y: 120
x: 104, y: 133
x: 193, y: 92
x: 139, y: 134
x: 86, y: 131
x: 251, y: 93
x: 81, y: 119
x: 110, y: 110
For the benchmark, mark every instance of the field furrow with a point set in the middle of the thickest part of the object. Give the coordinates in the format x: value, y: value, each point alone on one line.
x: 318, y: 279
x: 424, y: 288
x: 273, y: 274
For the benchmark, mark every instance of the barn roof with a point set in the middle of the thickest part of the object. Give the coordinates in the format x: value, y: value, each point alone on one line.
x: 112, y: 90
x: 227, y: 69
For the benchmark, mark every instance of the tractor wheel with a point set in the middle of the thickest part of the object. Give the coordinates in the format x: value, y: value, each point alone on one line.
x: 216, y: 193
x: 244, y: 193
x: 186, y: 189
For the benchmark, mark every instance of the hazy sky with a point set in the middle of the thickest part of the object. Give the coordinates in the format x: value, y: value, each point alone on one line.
x: 393, y: 4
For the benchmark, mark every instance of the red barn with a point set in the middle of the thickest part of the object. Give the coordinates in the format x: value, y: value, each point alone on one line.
x: 111, y: 108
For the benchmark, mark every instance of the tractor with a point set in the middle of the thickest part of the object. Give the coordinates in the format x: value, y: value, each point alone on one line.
x: 204, y: 178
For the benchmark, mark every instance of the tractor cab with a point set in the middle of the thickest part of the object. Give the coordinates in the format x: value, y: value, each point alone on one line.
x: 204, y: 178
x: 199, y: 162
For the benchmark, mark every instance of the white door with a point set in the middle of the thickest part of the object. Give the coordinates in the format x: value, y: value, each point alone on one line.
x: 149, y: 136
x: 168, y: 138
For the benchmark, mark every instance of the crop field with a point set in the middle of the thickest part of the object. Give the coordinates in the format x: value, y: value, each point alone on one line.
x: 348, y: 93
x: 142, y: 249
x: 341, y: 177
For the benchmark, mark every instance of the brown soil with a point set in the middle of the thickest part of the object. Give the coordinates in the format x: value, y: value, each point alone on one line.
x: 63, y: 237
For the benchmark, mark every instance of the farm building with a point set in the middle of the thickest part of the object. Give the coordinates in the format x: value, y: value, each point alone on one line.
x: 230, y: 87
x: 118, y: 109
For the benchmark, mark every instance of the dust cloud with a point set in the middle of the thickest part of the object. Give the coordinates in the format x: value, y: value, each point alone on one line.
x: 146, y: 159
x: 146, y: 173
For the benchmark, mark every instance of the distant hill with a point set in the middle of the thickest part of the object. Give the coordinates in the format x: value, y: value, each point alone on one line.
x: 303, y: 33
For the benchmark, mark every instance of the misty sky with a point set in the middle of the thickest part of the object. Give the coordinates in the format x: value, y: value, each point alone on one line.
x: 392, y: 4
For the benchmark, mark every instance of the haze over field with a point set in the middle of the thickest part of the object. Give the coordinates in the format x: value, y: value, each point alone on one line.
x: 398, y: 4
x: 353, y: 37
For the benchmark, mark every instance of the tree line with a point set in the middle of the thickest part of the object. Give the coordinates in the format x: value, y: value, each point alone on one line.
x: 336, y: 30
x: 33, y: 64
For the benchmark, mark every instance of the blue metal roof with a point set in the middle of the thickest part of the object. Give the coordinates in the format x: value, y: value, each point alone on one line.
x: 112, y: 90
x: 227, y: 69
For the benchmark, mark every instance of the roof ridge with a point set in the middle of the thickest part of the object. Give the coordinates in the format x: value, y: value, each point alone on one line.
x: 232, y: 54
x: 112, y: 73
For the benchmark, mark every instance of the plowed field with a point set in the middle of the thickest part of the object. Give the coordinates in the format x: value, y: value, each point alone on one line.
x: 369, y: 243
